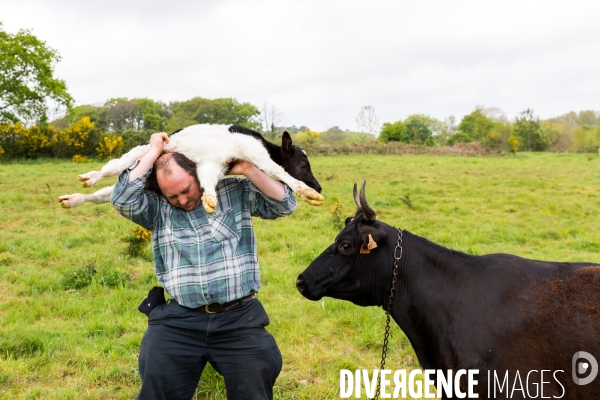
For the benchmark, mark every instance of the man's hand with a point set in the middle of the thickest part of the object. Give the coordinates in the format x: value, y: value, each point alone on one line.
x: 157, y: 142
x: 269, y: 186
x: 239, y: 167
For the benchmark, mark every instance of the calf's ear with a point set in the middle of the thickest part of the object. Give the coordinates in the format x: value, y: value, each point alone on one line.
x: 369, y: 236
x: 286, y: 142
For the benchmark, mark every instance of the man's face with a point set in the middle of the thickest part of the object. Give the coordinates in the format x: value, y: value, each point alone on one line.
x: 179, y: 188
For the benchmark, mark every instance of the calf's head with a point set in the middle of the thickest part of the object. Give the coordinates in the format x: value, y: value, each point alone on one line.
x: 357, y: 266
x: 295, y: 162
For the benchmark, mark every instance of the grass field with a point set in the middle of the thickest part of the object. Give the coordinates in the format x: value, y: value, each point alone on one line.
x: 61, y: 342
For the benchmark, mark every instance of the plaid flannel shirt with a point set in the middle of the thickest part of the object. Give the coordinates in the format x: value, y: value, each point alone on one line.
x: 202, y: 258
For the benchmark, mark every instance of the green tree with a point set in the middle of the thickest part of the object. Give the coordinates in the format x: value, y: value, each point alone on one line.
x: 334, y: 135
x: 392, y: 132
x: 529, y: 130
x: 96, y: 114
x: 476, y: 125
x: 498, y: 138
x: 27, y: 78
x: 123, y: 115
x: 589, y: 118
x: 218, y: 111
x: 154, y: 114
x: 417, y: 131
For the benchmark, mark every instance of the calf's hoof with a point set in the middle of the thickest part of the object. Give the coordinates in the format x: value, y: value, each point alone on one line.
x: 71, y: 200
x: 311, y: 196
x: 209, y: 202
x: 88, y: 179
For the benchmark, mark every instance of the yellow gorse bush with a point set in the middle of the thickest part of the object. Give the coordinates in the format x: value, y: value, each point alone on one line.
x: 80, y: 141
x: 337, y: 217
x: 78, y: 158
x: 308, y: 136
x: 137, y: 240
x: 513, y: 142
x: 142, y: 234
x: 26, y: 142
x: 110, y: 146
x: 75, y: 136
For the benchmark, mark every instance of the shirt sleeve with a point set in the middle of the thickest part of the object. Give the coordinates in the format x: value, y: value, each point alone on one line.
x: 265, y: 207
x: 132, y: 201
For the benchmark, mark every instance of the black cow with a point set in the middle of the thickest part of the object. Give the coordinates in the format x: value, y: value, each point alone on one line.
x: 495, y: 313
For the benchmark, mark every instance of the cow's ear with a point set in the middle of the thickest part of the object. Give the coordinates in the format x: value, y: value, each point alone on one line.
x: 369, y: 236
x: 286, y: 142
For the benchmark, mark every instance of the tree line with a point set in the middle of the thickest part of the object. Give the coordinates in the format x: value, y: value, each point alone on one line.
x: 570, y: 132
x: 29, y: 90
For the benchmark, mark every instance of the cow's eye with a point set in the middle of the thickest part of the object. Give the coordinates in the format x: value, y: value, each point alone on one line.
x: 303, y: 167
x: 345, y: 246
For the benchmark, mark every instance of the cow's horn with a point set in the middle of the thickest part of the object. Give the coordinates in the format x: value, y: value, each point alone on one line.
x: 369, y: 212
x: 356, y: 199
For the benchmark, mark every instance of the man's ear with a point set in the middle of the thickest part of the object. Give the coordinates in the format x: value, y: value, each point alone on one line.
x: 369, y: 236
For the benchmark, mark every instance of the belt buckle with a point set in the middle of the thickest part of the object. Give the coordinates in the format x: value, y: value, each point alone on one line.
x: 207, y: 310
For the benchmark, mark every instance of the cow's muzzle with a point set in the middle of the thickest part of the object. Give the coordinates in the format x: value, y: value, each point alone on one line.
x: 300, y: 285
x: 305, y: 291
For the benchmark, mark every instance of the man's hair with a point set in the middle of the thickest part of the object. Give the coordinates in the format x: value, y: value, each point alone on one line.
x: 164, y: 164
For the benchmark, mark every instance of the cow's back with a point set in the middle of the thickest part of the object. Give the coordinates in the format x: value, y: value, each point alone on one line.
x: 558, y: 315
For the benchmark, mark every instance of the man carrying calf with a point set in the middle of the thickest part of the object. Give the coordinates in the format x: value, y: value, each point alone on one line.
x: 209, y: 266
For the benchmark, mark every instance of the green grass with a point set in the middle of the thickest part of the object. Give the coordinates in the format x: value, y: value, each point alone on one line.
x: 63, y: 339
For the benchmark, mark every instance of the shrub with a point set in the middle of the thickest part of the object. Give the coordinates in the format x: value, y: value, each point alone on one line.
x: 10, y: 135
x: 133, y: 138
x: 459, y: 137
x: 513, y: 142
x: 82, y: 277
x: 337, y: 216
x: 78, y: 158
x: 79, y: 138
x: 112, y: 278
x: 138, y: 241
x: 79, y: 278
x: 110, y: 146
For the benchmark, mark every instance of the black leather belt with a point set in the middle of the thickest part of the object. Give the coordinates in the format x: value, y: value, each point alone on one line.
x: 218, y: 308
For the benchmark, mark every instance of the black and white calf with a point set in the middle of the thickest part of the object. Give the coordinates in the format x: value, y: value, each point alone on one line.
x: 210, y: 146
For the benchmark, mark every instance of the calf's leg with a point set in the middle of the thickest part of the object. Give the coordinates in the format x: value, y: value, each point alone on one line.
x: 265, y: 163
x: 77, y: 199
x: 113, y: 167
x: 209, y: 174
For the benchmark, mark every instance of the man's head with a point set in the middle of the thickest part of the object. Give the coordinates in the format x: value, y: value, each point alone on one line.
x: 177, y: 181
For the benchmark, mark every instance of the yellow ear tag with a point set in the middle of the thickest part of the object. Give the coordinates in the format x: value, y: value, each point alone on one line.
x: 372, y: 243
x: 366, y: 248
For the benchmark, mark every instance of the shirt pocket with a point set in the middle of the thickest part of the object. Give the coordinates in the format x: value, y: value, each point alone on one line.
x: 223, y: 226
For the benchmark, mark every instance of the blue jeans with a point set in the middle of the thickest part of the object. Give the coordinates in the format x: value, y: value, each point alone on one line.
x: 180, y: 341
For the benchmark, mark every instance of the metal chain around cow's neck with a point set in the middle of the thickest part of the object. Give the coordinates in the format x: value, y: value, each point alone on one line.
x: 397, y: 257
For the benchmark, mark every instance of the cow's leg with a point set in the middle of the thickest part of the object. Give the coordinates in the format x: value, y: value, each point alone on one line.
x: 113, y: 167
x: 265, y: 163
x: 77, y: 199
x: 209, y: 174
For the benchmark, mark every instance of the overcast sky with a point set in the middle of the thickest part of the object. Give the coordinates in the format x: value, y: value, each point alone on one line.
x: 320, y: 61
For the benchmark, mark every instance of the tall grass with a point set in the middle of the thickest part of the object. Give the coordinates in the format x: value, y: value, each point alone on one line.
x: 59, y: 340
